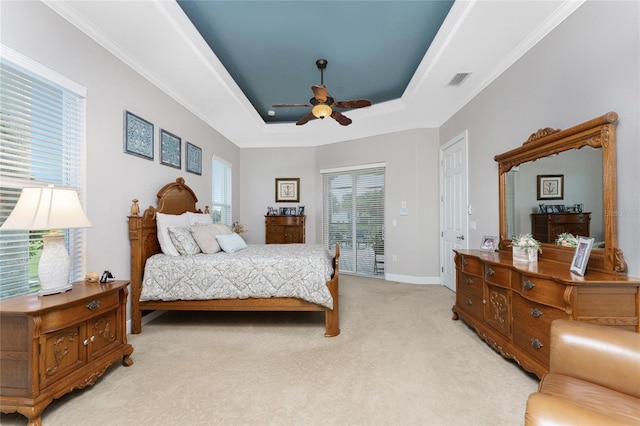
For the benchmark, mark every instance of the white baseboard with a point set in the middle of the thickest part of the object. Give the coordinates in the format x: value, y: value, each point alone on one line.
x: 413, y: 280
x: 145, y: 319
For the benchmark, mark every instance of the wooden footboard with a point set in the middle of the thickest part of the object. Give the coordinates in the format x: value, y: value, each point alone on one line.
x: 177, y: 198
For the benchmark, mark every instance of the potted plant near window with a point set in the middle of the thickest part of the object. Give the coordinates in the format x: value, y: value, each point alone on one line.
x: 525, y: 248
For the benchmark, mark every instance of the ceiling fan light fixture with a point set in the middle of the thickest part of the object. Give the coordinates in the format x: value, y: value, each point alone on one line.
x: 321, y: 111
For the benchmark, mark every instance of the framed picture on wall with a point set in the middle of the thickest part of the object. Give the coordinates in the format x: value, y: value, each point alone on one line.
x: 194, y: 159
x: 138, y: 136
x: 287, y: 190
x: 550, y: 187
x: 170, y: 149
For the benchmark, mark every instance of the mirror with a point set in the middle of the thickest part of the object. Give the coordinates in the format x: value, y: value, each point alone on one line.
x: 584, y: 156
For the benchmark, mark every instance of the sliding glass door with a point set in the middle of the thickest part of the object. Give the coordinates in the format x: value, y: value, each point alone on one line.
x: 353, y: 217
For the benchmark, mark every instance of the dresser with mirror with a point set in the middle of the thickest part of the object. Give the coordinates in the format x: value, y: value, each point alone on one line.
x: 511, y: 304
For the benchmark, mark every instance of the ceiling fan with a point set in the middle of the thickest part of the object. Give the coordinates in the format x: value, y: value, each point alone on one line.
x: 321, y: 104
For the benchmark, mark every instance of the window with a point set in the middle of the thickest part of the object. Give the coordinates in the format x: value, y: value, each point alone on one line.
x: 41, y: 142
x: 221, y: 191
x: 353, y: 217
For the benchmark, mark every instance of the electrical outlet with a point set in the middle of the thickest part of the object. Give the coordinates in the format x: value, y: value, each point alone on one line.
x: 394, y: 258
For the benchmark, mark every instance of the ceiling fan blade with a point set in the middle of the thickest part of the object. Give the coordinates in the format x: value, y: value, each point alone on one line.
x: 354, y: 103
x: 291, y: 105
x: 320, y: 93
x: 305, y: 119
x: 342, y: 119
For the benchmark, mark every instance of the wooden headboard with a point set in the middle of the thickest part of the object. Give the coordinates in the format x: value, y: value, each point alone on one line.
x: 173, y: 198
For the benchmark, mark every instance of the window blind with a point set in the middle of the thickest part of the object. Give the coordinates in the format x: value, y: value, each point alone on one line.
x: 354, y: 217
x: 42, y: 142
x: 221, y: 191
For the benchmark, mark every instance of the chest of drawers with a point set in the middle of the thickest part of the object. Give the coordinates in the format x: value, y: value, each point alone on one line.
x: 545, y: 227
x: 284, y: 229
x: 50, y: 345
x: 511, y: 306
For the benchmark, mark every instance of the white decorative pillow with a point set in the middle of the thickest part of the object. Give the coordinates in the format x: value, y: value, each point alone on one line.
x: 164, y: 221
x: 231, y: 243
x: 195, y: 218
x: 183, y: 241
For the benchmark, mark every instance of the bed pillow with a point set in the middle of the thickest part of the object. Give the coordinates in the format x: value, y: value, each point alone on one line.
x: 164, y: 222
x: 205, y: 236
x: 231, y: 243
x: 196, y: 218
x: 183, y: 241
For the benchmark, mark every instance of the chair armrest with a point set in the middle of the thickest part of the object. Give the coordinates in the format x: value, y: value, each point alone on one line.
x: 606, y: 356
x: 546, y: 410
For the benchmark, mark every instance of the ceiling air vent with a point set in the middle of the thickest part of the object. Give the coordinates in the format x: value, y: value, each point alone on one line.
x: 459, y: 78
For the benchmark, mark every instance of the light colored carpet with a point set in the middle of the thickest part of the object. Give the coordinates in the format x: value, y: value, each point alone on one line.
x: 400, y: 360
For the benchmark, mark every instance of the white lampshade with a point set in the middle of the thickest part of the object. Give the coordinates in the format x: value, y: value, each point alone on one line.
x: 49, y: 208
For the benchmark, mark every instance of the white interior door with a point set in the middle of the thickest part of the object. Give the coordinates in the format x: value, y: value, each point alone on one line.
x: 453, y: 205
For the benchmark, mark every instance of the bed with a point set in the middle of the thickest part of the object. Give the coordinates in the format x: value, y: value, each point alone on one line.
x: 177, y: 198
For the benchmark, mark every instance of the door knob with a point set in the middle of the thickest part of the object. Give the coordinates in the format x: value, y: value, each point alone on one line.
x: 461, y: 237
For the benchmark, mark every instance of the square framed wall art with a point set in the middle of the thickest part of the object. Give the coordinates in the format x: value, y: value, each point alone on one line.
x: 138, y: 136
x: 194, y: 159
x: 550, y: 187
x: 170, y: 149
x: 287, y: 190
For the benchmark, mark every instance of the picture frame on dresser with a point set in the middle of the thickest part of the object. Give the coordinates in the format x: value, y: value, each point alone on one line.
x: 138, y: 136
x: 581, y: 255
x: 489, y: 243
x: 170, y: 149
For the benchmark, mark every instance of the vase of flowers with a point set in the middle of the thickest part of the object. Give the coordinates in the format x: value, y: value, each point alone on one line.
x: 238, y: 228
x: 567, y: 239
x: 525, y: 248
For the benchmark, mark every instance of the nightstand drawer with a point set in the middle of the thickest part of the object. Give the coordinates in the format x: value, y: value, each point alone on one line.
x: 55, y: 320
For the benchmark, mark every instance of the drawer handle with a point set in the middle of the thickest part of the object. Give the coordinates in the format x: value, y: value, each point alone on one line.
x: 464, y: 262
x: 90, y: 339
x: 93, y: 305
x: 537, y: 344
x: 536, y: 312
x: 528, y: 284
x: 469, y: 281
x: 469, y: 302
x: 490, y: 272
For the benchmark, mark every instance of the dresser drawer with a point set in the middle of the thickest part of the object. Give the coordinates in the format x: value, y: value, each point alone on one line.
x: 470, y: 304
x: 470, y: 284
x: 284, y: 220
x: 471, y: 266
x: 568, y: 218
x: 534, y: 341
x: 541, y: 290
x: 276, y: 229
x: 55, y: 320
x: 498, y: 275
x: 534, y: 314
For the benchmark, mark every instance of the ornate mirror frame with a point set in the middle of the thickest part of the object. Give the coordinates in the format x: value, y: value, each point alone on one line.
x: 599, y: 132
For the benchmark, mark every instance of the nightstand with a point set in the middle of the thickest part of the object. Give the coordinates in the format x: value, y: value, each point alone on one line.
x: 51, y: 345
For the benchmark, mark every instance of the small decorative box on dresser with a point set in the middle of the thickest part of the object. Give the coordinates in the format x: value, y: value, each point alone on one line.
x: 284, y: 229
x: 51, y: 345
x: 545, y: 227
x: 511, y: 305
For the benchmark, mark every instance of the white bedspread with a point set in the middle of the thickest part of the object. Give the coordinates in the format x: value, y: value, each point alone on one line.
x: 260, y: 271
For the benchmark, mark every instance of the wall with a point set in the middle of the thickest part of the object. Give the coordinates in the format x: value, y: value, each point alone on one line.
x: 587, y: 66
x: 113, y: 177
x: 411, y: 175
x: 260, y: 168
